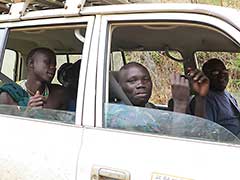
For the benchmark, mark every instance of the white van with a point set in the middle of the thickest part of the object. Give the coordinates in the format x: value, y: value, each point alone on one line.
x: 144, y: 144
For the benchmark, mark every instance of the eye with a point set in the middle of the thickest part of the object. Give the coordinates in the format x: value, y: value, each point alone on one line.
x: 132, y: 80
x: 225, y: 71
x: 146, y: 78
x: 215, y: 73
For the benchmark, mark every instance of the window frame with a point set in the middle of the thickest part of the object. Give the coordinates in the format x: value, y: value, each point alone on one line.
x: 105, y: 42
x: 89, y: 21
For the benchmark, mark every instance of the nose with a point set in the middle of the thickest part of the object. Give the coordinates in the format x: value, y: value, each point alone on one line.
x: 52, y: 66
x: 141, y: 84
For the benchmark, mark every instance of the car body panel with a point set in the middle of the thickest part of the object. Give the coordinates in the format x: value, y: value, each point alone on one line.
x: 145, y: 155
x: 44, y: 150
x: 31, y: 149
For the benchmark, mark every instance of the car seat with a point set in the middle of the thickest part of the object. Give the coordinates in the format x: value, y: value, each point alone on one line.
x: 116, y: 94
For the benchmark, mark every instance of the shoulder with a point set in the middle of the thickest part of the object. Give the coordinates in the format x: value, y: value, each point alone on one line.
x: 56, y: 88
x: 229, y: 94
x: 150, y: 105
x: 211, y: 96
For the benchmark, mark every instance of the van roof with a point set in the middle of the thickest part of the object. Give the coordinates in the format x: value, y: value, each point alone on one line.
x: 18, y: 10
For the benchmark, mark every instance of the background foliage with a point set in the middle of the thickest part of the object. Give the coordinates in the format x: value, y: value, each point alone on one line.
x: 160, y: 70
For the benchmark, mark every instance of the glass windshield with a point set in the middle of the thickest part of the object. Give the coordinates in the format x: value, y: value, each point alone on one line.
x: 67, y: 117
x: 119, y: 116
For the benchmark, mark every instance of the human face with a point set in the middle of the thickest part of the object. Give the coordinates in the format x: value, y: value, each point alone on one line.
x: 218, y: 76
x: 44, y: 66
x: 137, y: 84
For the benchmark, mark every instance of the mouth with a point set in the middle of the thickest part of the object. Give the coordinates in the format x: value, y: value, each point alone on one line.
x: 50, y: 74
x: 142, y: 95
x: 222, y: 81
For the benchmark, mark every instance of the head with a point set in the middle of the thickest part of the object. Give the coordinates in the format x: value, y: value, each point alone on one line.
x: 41, y: 64
x: 217, y: 73
x: 68, y: 74
x: 136, y: 82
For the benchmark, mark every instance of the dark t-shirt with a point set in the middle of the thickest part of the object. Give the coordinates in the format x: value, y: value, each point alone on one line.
x: 222, y: 108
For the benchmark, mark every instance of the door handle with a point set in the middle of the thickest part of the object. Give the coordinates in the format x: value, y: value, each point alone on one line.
x: 106, y: 173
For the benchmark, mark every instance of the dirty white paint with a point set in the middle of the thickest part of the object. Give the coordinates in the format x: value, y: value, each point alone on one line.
x: 38, y: 150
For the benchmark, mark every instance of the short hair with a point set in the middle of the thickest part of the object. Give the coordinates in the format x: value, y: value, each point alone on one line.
x: 210, y: 63
x: 130, y: 64
x: 39, y: 50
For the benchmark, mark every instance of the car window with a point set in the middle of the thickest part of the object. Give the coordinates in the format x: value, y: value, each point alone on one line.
x: 66, y: 41
x: 67, y: 58
x: 163, y: 48
x: 67, y: 117
x: 9, y: 64
x: 166, y: 123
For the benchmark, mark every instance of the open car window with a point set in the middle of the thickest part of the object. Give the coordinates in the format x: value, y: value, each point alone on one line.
x: 163, y: 48
x: 67, y: 42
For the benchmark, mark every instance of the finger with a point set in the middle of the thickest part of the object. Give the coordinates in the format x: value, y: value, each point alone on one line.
x: 172, y: 78
x: 186, y: 82
x: 193, y: 73
x: 177, y: 78
x: 189, y: 69
x: 37, y: 98
x: 182, y: 80
x: 36, y: 103
x: 203, y: 79
x: 37, y: 93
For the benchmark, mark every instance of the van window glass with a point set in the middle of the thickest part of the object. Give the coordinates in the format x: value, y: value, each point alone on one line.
x: 166, y: 123
x: 68, y: 49
x: 9, y: 63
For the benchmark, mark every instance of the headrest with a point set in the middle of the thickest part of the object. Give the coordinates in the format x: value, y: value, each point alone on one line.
x: 115, y: 91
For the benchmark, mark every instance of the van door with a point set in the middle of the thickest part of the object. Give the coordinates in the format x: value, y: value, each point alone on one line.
x: 127, y: 142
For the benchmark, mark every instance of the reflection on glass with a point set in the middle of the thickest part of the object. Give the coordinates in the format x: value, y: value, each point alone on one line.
x: 167, y: 123
x: 37, y: 113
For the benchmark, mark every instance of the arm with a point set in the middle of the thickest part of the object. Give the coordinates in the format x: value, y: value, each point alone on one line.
x: 200, y: 85
x: 180, y: 92
x: 59, y: 97
x: 5, y: 98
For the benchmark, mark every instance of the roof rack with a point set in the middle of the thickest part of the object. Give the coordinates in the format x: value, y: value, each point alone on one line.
x: 32, y: 5
x: 15, y: 10
x: 106, y: 2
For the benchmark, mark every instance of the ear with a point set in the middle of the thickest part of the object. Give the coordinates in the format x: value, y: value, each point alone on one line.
x: 30, y: 63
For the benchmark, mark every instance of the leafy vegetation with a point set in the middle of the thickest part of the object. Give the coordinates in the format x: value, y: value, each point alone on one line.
x: 161, y: 67
x: 226, y: 3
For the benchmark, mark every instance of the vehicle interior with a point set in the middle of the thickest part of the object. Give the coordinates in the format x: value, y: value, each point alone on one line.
x: 173, y: 42
x: 68, y: 48
x: 165, y: 47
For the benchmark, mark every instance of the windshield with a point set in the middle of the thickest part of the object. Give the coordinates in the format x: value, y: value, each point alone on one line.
x: 166, y: 123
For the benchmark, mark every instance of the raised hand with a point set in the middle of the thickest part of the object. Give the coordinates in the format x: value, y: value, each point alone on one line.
x: 37, y: 100
x: 199, y: 82
x: 180, y: 92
